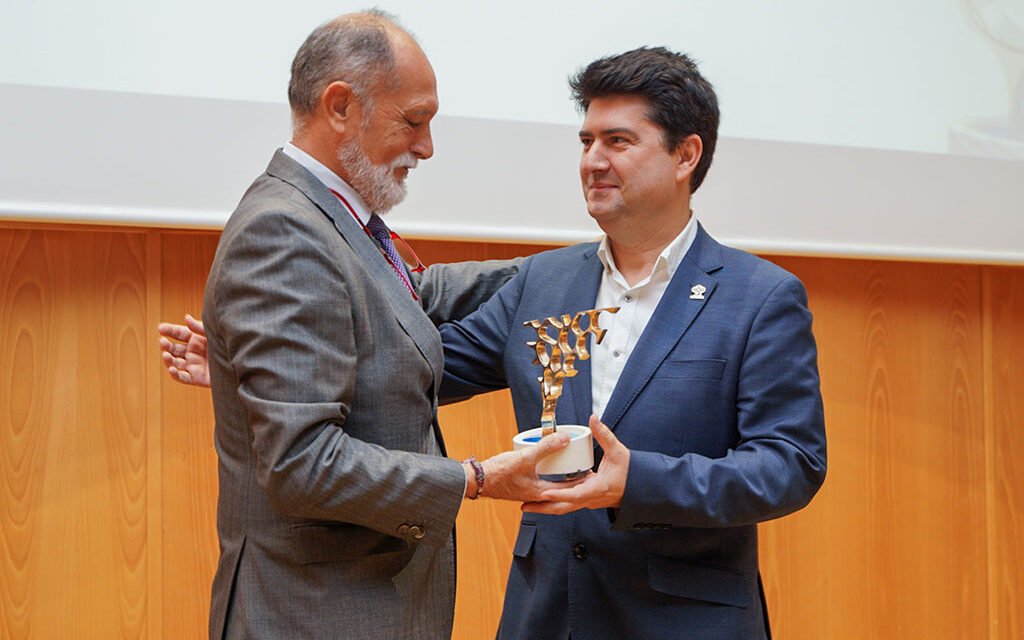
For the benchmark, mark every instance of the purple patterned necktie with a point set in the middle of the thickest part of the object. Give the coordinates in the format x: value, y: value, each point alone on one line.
x: 381, y: 232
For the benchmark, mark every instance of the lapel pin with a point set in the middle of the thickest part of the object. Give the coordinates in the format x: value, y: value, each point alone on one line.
x: 697, y: 292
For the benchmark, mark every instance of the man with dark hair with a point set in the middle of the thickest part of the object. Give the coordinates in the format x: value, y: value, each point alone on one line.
x: 681, y: 101
x: 706, y: 384
x: 336, y: 503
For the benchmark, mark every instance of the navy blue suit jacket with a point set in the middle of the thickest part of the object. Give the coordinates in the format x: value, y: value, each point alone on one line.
x: 719, y: 404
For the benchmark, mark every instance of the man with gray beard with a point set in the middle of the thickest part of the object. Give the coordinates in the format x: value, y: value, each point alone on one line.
x: 337, y: 503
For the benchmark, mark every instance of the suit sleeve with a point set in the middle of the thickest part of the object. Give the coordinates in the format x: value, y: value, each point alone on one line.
x: 779, y: 461
x: 451, y: 292
x: 474, y: 347
x: 285, y: 320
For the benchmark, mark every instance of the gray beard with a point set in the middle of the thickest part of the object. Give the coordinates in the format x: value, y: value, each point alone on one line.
x: 375, y: 184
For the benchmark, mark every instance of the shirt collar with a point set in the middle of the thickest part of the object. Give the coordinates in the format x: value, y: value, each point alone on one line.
x: 330, y: 180
x: 669, y: 258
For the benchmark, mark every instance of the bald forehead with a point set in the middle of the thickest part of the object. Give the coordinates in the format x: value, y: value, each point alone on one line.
x: 404, y: 45
x: 411, y: 89
x: 410, y: 59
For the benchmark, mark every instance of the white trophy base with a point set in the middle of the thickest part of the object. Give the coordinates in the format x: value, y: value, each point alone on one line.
x: 574, y: 460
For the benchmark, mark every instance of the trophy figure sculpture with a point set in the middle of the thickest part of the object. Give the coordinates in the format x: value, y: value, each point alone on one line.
x: 558, y: 357
x: 561, y: 341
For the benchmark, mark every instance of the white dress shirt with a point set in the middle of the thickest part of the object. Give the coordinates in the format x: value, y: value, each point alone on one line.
x: 330, y: 179
x: 636, y: 306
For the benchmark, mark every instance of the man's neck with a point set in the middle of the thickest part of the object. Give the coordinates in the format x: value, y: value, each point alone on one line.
x: 320, y: 149
x: 636, y: 250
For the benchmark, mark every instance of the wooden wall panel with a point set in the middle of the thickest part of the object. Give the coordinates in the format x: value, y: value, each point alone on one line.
x: 107, y: 502
x: 892, y: 546
x: 27, y: 338
x: 110, y: 315
x: 1004, y: 306
x: 73, y: 434
x: 189, y: 471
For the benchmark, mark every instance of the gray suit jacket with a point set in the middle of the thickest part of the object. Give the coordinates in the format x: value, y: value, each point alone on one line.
x: 336, y: 503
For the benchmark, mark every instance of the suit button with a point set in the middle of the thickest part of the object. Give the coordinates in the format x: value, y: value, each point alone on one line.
x: 579, y: 551
x: 417, y: 532
x: 403, y: 530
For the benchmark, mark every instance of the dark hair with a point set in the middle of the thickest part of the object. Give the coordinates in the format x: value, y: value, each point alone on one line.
x: 681, y: 101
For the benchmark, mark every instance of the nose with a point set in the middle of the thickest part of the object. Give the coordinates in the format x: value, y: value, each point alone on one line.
x: 423, y: 146
x: 593, y: 159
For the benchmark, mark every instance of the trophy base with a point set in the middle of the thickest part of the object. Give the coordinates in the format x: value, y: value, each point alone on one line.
x: 571, y: 462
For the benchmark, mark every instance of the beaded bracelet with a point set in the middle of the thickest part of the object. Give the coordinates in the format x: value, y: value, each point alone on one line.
x: 478, y: 469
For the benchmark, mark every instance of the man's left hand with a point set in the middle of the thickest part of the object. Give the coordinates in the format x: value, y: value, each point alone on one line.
x: 183, y: 351
x: 599, y: 490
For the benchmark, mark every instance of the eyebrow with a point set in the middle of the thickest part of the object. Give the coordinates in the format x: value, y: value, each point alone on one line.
x: 610, y: 132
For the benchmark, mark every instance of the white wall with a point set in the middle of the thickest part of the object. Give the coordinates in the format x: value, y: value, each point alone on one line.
x: 113, y: 158
x: 891, y: 74
x: 151, y: 113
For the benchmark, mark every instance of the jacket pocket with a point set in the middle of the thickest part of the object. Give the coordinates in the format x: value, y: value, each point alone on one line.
x: 315, y: 543
x: 683, y: 579
x: 524, y: 541
x: 692, y: 369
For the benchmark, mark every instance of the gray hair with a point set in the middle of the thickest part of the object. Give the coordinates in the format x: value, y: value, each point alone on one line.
x: 353, y: 48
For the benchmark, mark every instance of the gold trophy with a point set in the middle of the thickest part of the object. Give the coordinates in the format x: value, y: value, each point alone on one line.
x: 557, y: 353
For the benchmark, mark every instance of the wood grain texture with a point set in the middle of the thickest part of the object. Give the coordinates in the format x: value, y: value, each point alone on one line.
x: 189, y: 468
x: 111, y: 315
x: 74, y: 438
x: 917, y: 532
x: 892, y: 546
x: 1004, y: 315
x: 27, y: 356
x: 154, y: 449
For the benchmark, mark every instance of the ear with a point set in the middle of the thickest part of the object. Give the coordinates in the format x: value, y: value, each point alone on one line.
x: 688, y: 154
x: 341, y: 108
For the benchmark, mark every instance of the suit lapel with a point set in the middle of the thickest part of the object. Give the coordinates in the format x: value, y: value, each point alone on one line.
x: 673, y: 316
x: 407, y: 311
x: 581, y: 295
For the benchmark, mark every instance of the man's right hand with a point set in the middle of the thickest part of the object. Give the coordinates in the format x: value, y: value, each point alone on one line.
x: 512, y: 475
x: 183, y: 351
